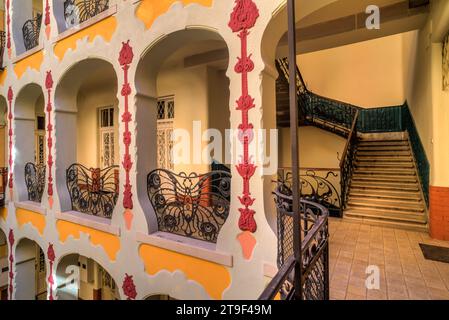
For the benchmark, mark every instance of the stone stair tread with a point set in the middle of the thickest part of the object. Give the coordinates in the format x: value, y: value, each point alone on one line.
x: 387, y: 195
x: 385, y: 171
x: 384, y: 186
x: 412, y: 226
x: 383, y: 153
x: 382, y: 148
x: 385, y: 160
x: 392, y: 165
x: 385, y: 178
x: 385, y: 215
x: 389, y: 206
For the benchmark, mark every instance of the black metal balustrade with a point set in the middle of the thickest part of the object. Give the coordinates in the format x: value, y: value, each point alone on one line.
x: 314, y: 251
x: 2, y: 47
x: 347, y: 161
x: 191, y: 205
x: 93, y: 191
x: 79, y: 11
x: 35, y: 181
x: 31, y: 30
x: 3, y: 185
x: 318, y: 185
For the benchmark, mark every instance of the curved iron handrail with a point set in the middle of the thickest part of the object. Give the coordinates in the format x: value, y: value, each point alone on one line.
x: 314, y: 250
x: 79, y: 11
x: 31, y: 30
x: 93, y: 191
x: 192, y: 205
x: 35, y: 181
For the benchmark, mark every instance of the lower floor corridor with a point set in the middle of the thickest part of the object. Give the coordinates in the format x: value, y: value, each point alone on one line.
x: 404, y: 272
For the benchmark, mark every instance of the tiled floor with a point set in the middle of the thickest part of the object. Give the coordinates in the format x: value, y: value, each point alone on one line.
x: 404, y: 273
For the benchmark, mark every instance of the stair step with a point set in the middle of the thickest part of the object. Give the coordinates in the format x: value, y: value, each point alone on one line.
x: 384, y: 186
x: 385, y: 172
x: 384, y: 178
x: 390, y: 206
x: 382, y: 148
x: 377, y: 153
x: 385, y: 195
x: 364, y: 141
x: 386, y: 215
x: 385, y: 160
x: 384, y: 165
x: 412, y: 226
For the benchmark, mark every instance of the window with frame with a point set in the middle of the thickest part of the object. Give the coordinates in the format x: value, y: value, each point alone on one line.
x: 165, y: 119
x: 107, y: 137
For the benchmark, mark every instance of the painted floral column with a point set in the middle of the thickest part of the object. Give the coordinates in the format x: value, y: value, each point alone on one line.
x: 11, y: 263
x: 243, y: 18
x: 8, y: 26
x: 51, y: 258
x: 10, y: 135
x: 49, y: 86
x: 125, y: 59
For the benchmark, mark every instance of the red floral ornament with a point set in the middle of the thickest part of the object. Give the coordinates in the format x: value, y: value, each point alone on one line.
x: 243, y: 18
x: 47, y: 13
x: 11, y: 262
x: 8, y: 23
x: 49, y: 86
x: 244, y: 15
x: 51, y: 258
x: 129, y: 288
x: 126, y: 57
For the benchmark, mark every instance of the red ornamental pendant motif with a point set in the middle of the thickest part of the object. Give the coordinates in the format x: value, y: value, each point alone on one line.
x: 243, y: 18
x: 10, y: 134
x: 129, y: 288
x: 49, y: 86
x: 125, y: 59
x: 11, y: 262
x: 51, y: 257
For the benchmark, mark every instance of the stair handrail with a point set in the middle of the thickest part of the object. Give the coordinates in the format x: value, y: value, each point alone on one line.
x: 346, y: 162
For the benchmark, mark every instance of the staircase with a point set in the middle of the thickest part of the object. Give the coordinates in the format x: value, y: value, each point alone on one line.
x: 385, y: 188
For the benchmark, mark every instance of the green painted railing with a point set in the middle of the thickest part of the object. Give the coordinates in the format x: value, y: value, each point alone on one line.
x: 386, y: 119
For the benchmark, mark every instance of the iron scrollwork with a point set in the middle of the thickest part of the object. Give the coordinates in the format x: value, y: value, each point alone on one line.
x: 93, y: 191
x: 191, y: 205
x: 31, y: 30
x: 314, y: 186
x: 2, y: 47
x: 35, y: 181
x: 79, y: 11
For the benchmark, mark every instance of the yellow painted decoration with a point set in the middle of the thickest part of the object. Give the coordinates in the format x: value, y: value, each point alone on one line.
x: 105, y: 29
x: 3, y: 213
x: 33, y: 61
x: 149, y: 10
x: 3, y: 75
x: 109, y: 242
x: 36, y: 219
x: 213, y: 277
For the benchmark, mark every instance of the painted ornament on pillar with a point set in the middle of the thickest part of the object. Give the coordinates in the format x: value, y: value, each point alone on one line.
x: 125, y: 59
x: 10, y: 145
x: 11, y: 264
x: 51, y: 259
x: 49, y: 87
x: 47, y: 20
x: 243, y: 18
x: 8, y: 26
x: 129, y: 288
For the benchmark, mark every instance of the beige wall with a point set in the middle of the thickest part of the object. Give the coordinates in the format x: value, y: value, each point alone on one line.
x: 318, y: 148
x: 89, y: 101
x: 197, y: 98
x: 367, y: 74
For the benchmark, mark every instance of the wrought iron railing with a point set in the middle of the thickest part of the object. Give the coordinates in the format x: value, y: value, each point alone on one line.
x: 79, y: 11
x: 35, y: 181
x: 2, y: 47
x: 419, y: 152
x: 31, y: 30
x: 191, y: 205
x: 282, y: 65
x: 93, y: 191
x: 319, y: 185
x: 3, y: 185
x: 314, y: 252
x: 347, y: 161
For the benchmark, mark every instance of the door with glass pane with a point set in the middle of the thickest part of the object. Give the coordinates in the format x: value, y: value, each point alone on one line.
x: 165, y: 118
x: 40, y: 140
x: 107, y: 135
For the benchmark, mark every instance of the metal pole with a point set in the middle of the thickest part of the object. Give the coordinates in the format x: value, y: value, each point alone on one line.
x: 294, y: 146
